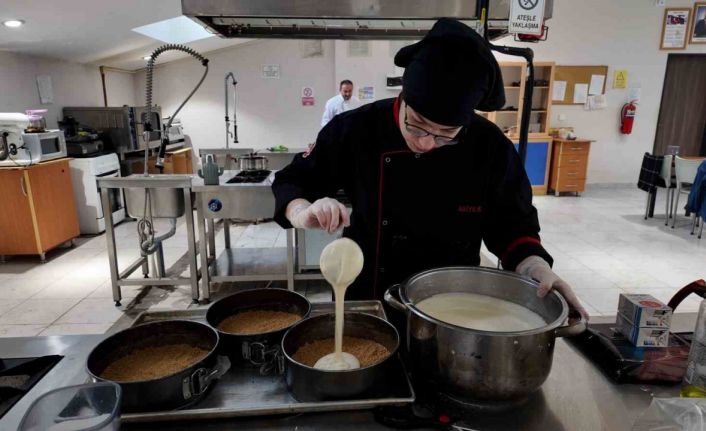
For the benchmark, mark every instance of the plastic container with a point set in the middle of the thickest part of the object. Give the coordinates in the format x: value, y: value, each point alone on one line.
x: 695, y: 378
x: 37, y: 123
x: 93, y: 406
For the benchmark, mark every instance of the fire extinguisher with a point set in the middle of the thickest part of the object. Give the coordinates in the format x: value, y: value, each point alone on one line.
x: 627, y: 118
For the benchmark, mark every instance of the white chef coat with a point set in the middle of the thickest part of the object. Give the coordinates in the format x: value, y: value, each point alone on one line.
x: 336, y: 105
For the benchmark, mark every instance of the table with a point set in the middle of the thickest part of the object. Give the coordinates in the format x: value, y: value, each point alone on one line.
x: 576, y: 396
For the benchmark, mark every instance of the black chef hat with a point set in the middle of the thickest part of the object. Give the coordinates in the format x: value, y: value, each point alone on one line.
x: 450, y: 73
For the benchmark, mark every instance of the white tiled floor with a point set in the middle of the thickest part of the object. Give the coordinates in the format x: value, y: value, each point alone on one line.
x: 600, y: 242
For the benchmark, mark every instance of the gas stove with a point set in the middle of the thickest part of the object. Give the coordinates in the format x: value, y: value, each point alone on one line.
x: 18, y: 375
x: 250, y: 177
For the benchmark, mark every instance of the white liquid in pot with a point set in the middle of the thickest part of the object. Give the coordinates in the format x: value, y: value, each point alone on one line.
x: 481, y: 312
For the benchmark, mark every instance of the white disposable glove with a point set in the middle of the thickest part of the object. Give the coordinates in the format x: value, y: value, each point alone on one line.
x: 538, y: 269
x: 326, y: 213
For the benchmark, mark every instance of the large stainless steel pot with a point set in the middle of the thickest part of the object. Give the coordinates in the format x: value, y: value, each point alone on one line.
x: 252, y: 162
x: 474, y: 366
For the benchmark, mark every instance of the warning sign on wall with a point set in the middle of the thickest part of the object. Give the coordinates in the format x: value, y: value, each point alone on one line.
x: 526, y: 17
x: 620, y: 78
x: 307, y: 96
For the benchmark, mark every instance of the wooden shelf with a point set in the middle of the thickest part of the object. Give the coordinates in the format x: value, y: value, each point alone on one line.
x: 514, y: 72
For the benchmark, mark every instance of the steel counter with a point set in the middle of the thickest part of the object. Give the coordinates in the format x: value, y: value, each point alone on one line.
x: 576, y: 395
x: 249, y: 202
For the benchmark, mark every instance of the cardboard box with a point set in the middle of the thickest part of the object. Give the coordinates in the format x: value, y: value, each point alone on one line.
x: 642, y: 337
x: 644, y: 311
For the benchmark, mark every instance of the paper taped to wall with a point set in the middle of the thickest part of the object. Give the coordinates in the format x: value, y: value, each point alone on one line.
x: 580, y: 93
x: 596, y: 86
x: 559, y: 91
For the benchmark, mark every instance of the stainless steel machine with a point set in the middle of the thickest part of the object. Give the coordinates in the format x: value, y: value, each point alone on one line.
x: 244, y: 196
x: 124, y: 125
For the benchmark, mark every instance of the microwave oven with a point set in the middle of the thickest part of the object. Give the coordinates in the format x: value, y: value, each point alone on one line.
x: 37, y: 147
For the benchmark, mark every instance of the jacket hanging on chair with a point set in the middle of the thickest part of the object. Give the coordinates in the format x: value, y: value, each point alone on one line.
x: 696, y: 203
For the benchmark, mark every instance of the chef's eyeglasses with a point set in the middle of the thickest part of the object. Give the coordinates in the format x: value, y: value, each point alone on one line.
x: 419, y: 132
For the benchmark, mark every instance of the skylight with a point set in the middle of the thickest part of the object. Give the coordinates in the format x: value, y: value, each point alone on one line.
x: 174, y: 30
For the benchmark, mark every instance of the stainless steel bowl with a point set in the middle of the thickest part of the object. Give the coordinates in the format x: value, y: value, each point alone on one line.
x: 478, y: 366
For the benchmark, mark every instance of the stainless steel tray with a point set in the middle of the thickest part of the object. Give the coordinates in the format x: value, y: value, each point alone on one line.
x: 244, y: 392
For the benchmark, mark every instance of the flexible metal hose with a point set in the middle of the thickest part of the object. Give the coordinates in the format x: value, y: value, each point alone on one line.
x: 145, y: 226
x: 148, y: 93
x: 150, y: 68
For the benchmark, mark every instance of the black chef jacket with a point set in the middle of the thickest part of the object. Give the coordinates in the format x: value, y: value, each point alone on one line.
x: 411, y: 211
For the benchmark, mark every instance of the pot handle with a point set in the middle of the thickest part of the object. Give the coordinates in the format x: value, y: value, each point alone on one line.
x: 390, y: 298
x: 698, y: 287
x: 201, y: 379
x: 575, y: 328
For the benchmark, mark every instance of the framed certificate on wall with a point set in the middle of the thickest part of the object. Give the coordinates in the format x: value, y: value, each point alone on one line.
x: 675, y: 28
x: 698, y: 30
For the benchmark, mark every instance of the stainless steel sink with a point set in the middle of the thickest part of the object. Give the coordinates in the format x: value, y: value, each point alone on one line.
x: 166, y: 193
x: 165, y: 202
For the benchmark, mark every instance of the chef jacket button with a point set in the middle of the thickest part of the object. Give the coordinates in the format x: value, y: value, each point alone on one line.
x: 384, y: 222
x: 387, y: 160
x: 382, y: 269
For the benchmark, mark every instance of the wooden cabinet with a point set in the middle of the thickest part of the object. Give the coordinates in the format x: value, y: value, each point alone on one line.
x: 569, y: 165
x: 38, y: 210
x: 514, y: 77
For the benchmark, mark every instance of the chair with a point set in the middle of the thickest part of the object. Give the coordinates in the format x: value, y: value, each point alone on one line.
x: 650, y: 177
x: 696, y: 202
x: 670, y: 185
x: 685, y: 171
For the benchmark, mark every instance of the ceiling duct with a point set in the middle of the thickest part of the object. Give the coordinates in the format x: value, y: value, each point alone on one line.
x: 342, y: 19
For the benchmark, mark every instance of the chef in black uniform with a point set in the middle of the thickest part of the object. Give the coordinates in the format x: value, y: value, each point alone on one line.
x: 428, y: 179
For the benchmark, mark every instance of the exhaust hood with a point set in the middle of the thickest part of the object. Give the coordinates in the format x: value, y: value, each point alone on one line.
x: 342, y: 19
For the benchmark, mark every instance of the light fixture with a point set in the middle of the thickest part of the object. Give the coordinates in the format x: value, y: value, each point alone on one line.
x: 13, y: 23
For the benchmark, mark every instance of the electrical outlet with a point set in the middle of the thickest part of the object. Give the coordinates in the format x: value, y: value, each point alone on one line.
x: 562, y: 117
x: 659, y: 3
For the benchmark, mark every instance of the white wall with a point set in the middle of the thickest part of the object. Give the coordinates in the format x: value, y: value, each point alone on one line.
x: 366, y: 71
x: 74, y: 85
x: 622, y: 35
x: 269, y: 111
x: 120, y: 87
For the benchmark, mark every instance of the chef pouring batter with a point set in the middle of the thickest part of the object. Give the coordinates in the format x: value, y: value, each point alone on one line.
x: 428, y: 178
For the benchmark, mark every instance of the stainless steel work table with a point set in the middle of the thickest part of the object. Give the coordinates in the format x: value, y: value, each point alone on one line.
x: 576, y: 396
x: 155, y: 182
x: 244, y: 201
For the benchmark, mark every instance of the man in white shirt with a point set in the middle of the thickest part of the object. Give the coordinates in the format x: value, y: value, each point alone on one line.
x: 342, y: 102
